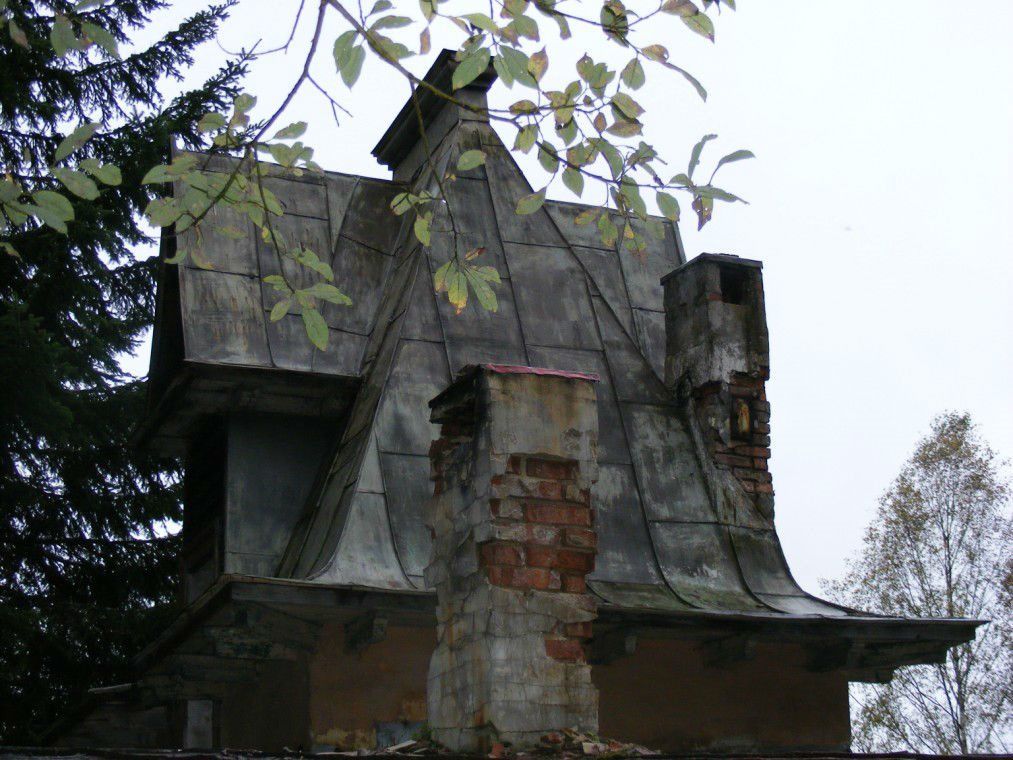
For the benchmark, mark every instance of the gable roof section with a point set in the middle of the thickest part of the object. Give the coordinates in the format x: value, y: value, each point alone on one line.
x: 670, y: 537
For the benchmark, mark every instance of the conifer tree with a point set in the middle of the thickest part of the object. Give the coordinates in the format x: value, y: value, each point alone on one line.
x: 86, y: 570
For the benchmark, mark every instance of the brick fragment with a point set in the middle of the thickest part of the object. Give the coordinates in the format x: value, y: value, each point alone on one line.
x: 578, y: 630
x: 498, y: 553
x: 560, y: 559
x: 553, y: 513
x: 574, y: 584
x: 549, y: 489
x: 551, y: 469
x: 565, y: 650
x: 732, y: 460
x: 582, y: 538
x: 537, y: 578
x: 762, y: 477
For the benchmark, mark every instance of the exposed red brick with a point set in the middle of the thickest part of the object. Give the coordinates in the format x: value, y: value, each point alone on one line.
x: 549, y: 489
x: 764, y: 488
x: 499, y: 553
x: 743, y: 391
x: 565, y: 650
x: 557, y: 514
x: 514, y: 465
x: 753, y: 451
x: 578, y: 630
x: 560, y: 559
x: 524, y: 578
x: 574, y: 584
x: 732, y: 460
x: 761, y: 427
x: 762, y: 477
x: 582, y: 538
x: 760, y: 464
x: 551, y: 469
x: 545, y: 535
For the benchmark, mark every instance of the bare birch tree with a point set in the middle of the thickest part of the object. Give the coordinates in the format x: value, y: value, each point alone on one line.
x: 940, y: 546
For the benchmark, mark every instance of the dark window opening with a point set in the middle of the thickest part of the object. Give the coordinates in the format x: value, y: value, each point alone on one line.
x: 733, y: 285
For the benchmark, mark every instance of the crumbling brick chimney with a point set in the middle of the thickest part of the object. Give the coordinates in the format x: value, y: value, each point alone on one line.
x: 513, y: 539
x: 718, y: 354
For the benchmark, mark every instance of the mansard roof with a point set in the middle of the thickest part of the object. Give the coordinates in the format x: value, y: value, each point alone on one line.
x: 671, y: 542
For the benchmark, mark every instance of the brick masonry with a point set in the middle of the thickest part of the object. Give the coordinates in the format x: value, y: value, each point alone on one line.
x: 717, y: 355
x: 513, y: 542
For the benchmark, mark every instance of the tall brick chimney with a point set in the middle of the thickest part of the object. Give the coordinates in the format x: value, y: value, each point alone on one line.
x: 513, y: 539
x: 717, y: 353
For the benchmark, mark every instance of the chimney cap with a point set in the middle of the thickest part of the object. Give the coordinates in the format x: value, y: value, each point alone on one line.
x: 403, y: 131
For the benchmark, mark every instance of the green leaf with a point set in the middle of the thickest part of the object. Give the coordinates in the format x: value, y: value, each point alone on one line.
x: 101, y: 37
x: 75, y: 140
x: 17, y: 34
x: 668, y: 206
x: 548, y: 158
x: 470, y: 159
x: 614, y: 21
x: 162, y: 212
x: 107, y: 174
x: 55, y: 204
x: 629, y: 108
x: 391, y: 22
x: 487, y: 273
x: 529, y: 204
x: 503, y: 71
x: 573, y: 180
x: 701, y: 24
x: 280, y: 309
x: 440, y: 278
x: 694, y: 158
x: 316, y: 327
x: 292, y: 131
x: 244, y: 102
x: 480, y: 287
x: 633, y: 75
x: 481, y: 21
x: 625, y: 128
x: 738, y: 155
x: 157, y: 174
x: 517, y: 63
x: 526, y: 137
x: 62, y: 36
x: 353, y: 66
x: 473, y: 65
x: 343, y: 47
x: 77, y: 182
x: 423, y: 230
x: 327, y: 292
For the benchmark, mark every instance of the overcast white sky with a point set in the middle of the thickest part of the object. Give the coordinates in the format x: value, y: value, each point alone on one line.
x: 881, y: 207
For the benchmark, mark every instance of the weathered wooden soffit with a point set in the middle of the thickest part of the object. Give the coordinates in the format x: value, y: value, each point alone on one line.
x: 670, y: 549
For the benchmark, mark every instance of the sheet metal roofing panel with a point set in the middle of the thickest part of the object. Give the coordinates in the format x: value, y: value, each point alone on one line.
x: 225, y: 319
x: 666, y: 542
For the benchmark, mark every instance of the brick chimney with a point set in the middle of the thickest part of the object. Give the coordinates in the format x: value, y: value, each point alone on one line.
x: 717, y: 353
x: 513, y: 539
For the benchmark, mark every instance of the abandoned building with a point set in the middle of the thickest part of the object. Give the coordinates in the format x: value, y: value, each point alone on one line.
x: 484, y: 525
